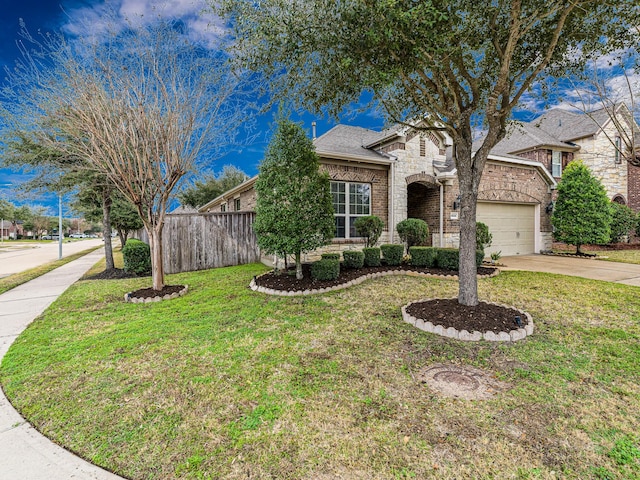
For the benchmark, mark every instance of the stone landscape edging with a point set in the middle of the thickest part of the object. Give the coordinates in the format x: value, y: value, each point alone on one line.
x: 128, y: 298
x: 464, y: 335
x: 271, y: 291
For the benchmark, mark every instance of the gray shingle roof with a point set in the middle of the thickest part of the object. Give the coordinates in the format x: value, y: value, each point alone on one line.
x: 567, y: 126
x: 525, y: 136
x: 348, y: 140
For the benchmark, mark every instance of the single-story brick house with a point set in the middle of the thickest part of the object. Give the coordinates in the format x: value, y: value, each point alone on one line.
x: 404, y: 173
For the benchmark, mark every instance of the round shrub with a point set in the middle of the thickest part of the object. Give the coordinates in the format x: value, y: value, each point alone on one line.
x: 392, y: 253
x: 330, y: 256
x: 423, y: 256
x: 371, y: 257
x: 413, y: 231
x: 325, y: 269
x: 353, y: 259
x: 137, y: 257
x: 370, y: 228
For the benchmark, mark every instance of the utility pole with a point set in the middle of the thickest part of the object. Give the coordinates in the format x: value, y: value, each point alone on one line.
x: 60, y: 235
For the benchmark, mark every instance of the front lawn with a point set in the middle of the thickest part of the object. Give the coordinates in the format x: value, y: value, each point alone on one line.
x: 622, y: 256
x: 229, y: 383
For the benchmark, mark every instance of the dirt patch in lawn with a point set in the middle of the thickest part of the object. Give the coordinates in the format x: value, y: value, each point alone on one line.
x: 463, y: 382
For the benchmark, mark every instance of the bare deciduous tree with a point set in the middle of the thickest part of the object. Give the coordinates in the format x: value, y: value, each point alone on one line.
x: 140, y: 106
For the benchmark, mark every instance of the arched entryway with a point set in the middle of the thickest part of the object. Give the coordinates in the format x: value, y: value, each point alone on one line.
x: 619, y: 199
x: 423, y: 202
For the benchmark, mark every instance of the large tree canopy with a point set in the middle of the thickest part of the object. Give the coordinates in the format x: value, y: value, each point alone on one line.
x: 462, y: 63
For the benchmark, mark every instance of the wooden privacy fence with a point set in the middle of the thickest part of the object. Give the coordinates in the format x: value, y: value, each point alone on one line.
x: 207, y: 240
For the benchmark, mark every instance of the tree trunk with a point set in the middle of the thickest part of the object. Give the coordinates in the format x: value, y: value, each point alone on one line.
x: 298, y: 266
x: 468, y: 180
x: 106, y: 230
x: 468, y: 274
x: 157, y: 267
x: 124, y: 235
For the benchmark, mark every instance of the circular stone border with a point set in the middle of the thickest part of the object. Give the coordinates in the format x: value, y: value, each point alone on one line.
x: 130, y: 299
x: 364, y: 278
x: 466, y: 336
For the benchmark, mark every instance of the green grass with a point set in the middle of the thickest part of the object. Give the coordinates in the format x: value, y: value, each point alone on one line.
x: 12, y: 281
x: 622, y: 256
x: 229, y: 383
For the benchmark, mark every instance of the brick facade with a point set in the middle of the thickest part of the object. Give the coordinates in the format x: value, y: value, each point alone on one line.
x: 633, y: 200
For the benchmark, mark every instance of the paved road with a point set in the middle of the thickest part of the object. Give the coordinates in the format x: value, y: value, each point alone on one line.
x: 578, y: 267
x: 24, y: 453
x: 17, y: 257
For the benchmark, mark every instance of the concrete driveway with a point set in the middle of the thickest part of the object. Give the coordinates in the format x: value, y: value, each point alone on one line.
x: 626, y: 273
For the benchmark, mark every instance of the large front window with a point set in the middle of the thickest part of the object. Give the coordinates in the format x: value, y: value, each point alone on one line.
x: 350, y: 201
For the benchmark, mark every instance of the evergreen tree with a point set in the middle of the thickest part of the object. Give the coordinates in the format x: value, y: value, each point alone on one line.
x: 294, y: 209
x: 210, y: 186
x: 582, y: 214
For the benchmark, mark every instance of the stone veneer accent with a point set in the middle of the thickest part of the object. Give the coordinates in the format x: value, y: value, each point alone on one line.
x: 271, y: 291
x: 464, y: 335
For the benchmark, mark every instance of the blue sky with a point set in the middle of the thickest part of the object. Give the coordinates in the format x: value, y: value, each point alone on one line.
x: 81, y: 16
x: 76, y: 17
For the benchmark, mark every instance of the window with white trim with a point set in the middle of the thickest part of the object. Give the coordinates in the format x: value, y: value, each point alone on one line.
x: 618, y: 146
x: 350, y: 201
x: 237, y: 204
x: 556, y: 163
x: 223, y: 207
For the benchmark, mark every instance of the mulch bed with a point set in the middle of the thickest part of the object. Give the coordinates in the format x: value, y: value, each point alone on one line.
x: 151, y: 293
x: 287, y: 282
x: 112, y: 274
x: 485, y: 317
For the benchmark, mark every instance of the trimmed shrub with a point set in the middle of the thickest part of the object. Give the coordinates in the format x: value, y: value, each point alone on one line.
x: 623, y: 221
x: 371, y: 257
x: 325, y: 269
x: 330, y: 256
x: 449, y: 258
x: 483, y: 236
x: 137, y: 257
x: 370, y: 228
x: 353, y: 258
x: 423, y: 256
x: 413, y: 231
x: 392, y: 253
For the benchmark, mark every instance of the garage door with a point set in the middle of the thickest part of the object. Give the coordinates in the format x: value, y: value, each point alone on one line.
x: 512, y: 227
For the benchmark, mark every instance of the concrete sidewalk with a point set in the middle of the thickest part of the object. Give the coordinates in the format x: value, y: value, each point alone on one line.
x: 26, y: 454
x: 626, y: 273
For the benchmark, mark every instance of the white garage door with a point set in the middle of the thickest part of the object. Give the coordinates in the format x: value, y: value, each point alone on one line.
x: 512, y: 227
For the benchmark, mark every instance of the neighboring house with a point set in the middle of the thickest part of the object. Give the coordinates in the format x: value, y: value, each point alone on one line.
x: 10, y: 230
x: 559, y: 136
x: 403, y: 173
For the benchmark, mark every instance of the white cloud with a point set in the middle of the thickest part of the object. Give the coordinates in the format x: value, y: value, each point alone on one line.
x: 116, y: 15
